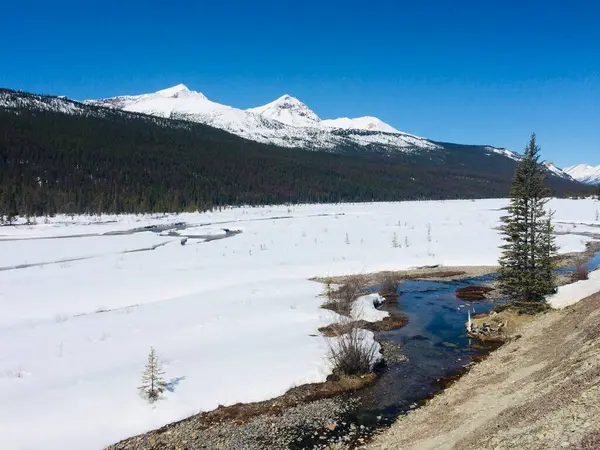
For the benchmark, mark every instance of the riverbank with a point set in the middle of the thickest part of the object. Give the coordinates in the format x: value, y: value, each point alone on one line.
x: 309, y: 416
x: 539, y: 391
x: 314, y: 412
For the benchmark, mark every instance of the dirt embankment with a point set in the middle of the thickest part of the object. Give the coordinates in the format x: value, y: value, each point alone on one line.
x: 540, y: 391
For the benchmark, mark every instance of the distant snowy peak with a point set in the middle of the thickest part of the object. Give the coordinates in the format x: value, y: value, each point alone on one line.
x: 504, y: 152
x: 291, y: 111
x: 288, y: 110
x: 585, y: 173
x: 367, y: 123
x: 285, y: 122
x: 557, y: 171
x: 180, y: 91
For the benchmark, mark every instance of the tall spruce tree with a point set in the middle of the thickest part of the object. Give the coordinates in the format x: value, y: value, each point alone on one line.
x: 526, y: 264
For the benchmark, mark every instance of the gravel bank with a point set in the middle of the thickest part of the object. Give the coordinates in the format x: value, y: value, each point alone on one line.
x: 281, y: 430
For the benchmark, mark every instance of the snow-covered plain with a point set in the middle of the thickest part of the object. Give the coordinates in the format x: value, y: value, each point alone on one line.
x: 233, y: 320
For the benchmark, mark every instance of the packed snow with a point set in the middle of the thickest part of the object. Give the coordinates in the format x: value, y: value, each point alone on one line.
x: 572, y: 293
x: 232, y: 320
x: 364, y: 308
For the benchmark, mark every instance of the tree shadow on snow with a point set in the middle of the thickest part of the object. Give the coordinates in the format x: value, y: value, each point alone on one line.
x: 173, y: 383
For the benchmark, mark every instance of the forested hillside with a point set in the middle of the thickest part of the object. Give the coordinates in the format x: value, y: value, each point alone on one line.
x: 100, y: 160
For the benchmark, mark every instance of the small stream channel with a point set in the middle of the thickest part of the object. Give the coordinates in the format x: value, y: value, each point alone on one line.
x: 437, y: 349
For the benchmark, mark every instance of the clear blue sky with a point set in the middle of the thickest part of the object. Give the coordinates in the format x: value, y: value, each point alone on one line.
x: 481, y: 72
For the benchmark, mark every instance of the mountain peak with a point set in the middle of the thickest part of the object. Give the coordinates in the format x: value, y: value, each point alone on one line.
x: 288, y: 110
x: 287, y: 98
x: 367, y: 123
x: 178, y: 91
x: 585, y: 173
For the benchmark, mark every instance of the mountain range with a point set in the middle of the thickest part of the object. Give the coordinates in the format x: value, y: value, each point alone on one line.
x: 584, y: 173
x: 286, y: 122
x: 176, y: 150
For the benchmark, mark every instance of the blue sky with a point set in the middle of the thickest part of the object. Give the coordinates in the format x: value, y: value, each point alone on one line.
x: 480, y: 72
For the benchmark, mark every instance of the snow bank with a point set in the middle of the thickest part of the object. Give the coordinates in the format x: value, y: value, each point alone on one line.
x: 364, y: 308
x: 572, y: 293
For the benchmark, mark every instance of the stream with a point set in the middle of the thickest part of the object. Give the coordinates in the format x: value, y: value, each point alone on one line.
x: 437, y: 351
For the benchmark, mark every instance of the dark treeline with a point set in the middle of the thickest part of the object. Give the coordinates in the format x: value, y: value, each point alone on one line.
x: 108, y: 161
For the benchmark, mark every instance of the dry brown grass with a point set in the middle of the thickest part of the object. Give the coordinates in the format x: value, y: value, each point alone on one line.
x: 391, y: 322
x: 340, y: 300
x: 512, y: 320
x: 473, y: 293
x: 413, y: 274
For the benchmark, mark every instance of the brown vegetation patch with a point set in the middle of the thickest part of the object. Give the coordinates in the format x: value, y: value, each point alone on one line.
x: 388, y: 323
x: 501, y: 326
x: 473, y: 293
x: 378, y: 278
x: 391, y: 322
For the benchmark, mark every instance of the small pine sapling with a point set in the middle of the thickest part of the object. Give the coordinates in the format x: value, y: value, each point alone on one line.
x: 153, y: 383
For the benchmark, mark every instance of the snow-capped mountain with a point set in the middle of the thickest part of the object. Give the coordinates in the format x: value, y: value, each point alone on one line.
x: 557, y: 171
x: 285, y: 122
x: 288, y: 110
x: 360, y: 123
x: 585, y: 173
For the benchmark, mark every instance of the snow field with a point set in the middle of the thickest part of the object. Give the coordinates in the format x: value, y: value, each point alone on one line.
x: 232, y: 320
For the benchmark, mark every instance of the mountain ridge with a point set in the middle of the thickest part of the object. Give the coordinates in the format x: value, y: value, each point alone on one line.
x: 585, y: 173
x: 286, y: 122
x: 60, y: 155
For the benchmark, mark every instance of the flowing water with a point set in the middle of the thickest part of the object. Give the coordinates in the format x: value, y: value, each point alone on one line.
x: 435, y: 344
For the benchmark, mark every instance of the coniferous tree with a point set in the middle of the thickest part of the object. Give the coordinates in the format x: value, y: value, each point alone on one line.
x: 526, y: 264
x: 153, y: 383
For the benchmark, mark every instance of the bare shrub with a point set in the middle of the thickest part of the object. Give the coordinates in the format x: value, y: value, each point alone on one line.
x: 389, y: 285
x: 341, y: 300
x: 352, y: 353
x: 581, y: 273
